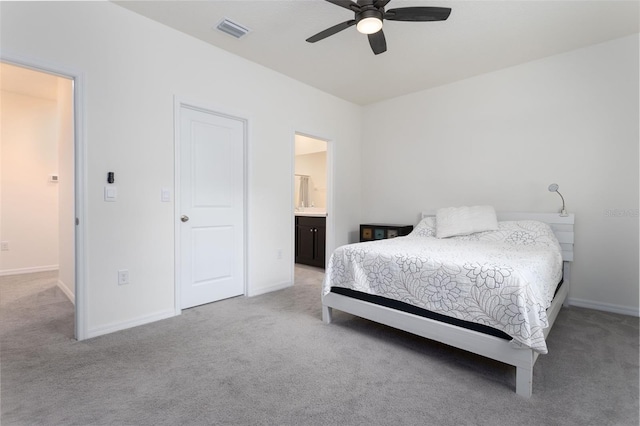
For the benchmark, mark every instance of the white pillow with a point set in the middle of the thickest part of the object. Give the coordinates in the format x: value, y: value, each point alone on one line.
x: 426, y: 228
x: 452, y: 221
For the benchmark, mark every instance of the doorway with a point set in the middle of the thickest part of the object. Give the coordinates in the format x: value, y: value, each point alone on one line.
x: 38, y: 176
x: 311, y: 201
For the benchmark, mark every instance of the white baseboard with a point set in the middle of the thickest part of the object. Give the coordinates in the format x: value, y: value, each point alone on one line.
x: 111, y: 328
x: 28, y: 270
x: 67, y: 292
x: 607, y: 307
x: 269, y: 289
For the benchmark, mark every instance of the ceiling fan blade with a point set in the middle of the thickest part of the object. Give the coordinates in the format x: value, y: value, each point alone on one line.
x: 347, y: 4
x: 331, y: 31
x: 418, y: 14
x: 381, y: 3
x: 377, y: 42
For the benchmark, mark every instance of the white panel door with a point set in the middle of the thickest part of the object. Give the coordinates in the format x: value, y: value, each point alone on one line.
x: 211, y: 207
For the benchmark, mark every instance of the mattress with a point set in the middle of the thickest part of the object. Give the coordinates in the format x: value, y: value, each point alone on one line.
x: 503, y: 279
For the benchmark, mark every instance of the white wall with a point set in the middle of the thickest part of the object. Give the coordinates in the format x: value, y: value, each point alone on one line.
x: 133, y: 68
x: 29, y: 204
x: 503, y: 137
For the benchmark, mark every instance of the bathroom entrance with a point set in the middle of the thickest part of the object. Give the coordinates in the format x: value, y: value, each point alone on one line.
x: 310, y: 200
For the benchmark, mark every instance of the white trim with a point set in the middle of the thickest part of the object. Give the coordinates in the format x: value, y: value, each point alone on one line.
x: 177, y: 306
x: 63, y: 287
x: 269, y: 289
x: 330, y: 243
x: 292, y: 208
x: 119, y: 326
x: 80, y: 173
x: 82, y: 209
x: 178, y: 103
x: 606, y: 307
x: 29, y: 270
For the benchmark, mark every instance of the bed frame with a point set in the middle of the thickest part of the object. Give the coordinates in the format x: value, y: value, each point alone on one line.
x: 462, y: 338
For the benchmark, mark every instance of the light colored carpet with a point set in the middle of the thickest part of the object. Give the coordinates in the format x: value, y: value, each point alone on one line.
x: 269, y: 360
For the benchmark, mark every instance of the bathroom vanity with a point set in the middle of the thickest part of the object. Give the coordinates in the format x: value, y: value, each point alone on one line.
x: 310, y: 238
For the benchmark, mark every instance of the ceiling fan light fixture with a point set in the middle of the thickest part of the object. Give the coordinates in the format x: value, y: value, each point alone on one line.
x: 369, y: 25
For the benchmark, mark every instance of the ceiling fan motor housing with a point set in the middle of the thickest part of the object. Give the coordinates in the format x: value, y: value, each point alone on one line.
x: 369, y: 13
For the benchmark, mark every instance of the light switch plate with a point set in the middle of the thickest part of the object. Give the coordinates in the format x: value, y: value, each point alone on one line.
x: 110, y: 193
x: 165, y: 195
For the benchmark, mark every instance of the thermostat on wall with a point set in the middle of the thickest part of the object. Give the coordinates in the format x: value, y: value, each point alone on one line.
x: 53, y: 178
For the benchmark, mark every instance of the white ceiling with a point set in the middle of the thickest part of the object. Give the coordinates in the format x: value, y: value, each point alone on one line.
x: 479, y: 37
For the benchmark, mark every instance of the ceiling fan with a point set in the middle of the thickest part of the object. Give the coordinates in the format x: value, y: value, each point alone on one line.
x: 369, y: 15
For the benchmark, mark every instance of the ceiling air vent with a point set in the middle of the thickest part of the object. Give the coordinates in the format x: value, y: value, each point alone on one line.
x: 232, y: 28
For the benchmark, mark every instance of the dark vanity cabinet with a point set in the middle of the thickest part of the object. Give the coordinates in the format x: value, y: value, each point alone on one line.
x: 310, y: 240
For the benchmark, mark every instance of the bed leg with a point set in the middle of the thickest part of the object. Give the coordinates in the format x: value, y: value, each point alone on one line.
x: 566, y: 274
x: 326, y: 314
x: 524, y: 381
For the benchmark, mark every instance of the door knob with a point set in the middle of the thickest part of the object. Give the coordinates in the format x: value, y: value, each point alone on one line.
x: 184, y: 218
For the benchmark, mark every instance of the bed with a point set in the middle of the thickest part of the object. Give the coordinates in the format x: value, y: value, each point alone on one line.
x: 474, y: 294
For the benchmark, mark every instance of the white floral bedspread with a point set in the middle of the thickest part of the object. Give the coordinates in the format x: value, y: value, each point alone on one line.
x: 505, y: 279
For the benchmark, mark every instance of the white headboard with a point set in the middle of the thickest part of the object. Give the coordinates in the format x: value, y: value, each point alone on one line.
x: 562, y: 226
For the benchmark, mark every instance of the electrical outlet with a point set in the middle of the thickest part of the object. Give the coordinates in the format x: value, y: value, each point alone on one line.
x: 4, y: 245
x: 123, y: 277
x: 279, y: 254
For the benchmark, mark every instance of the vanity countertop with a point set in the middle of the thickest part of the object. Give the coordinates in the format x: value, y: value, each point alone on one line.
x: 311, y: 211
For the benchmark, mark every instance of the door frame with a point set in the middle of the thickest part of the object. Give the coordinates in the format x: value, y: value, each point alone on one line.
x: 178, y: 103
x: 330, y: 223
x: 80, y: 177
